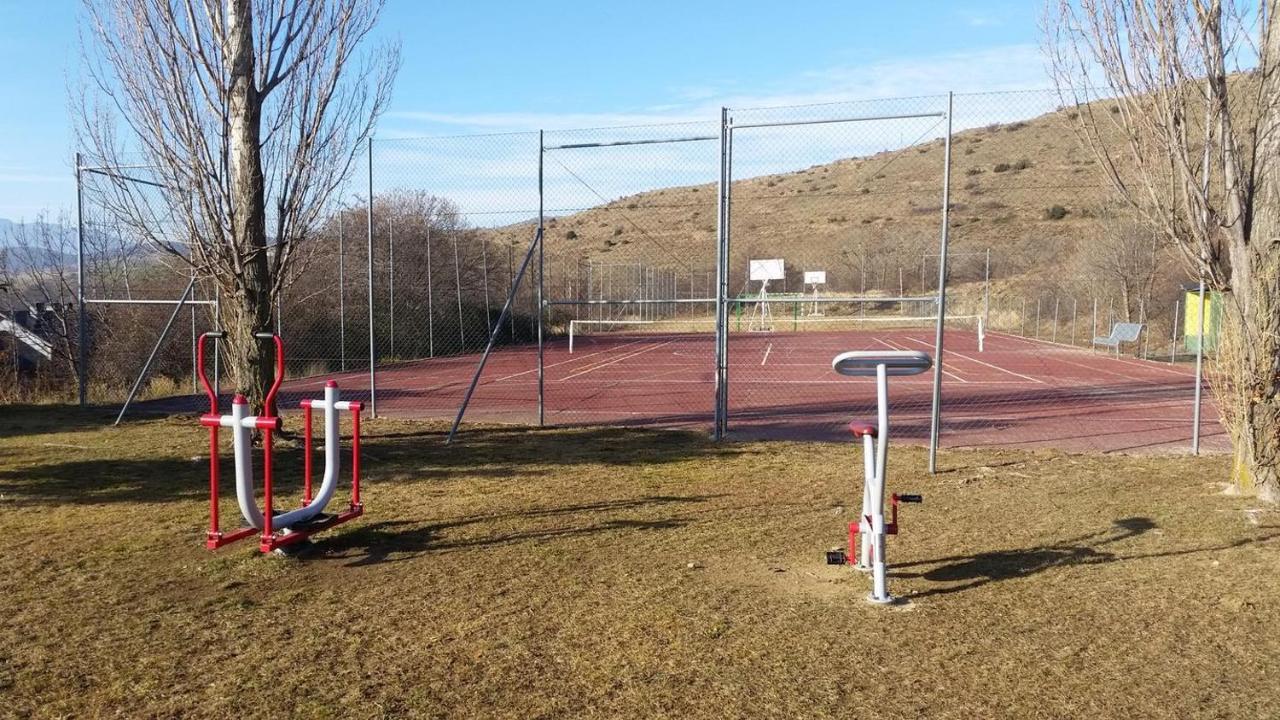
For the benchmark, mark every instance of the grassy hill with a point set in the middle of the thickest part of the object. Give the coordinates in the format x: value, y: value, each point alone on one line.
x: 1028, y: 190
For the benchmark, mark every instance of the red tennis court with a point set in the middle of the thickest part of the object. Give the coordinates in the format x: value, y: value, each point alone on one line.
x: 1016, y: 392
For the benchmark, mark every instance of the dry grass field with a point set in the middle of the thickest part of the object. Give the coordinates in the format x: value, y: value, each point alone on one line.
x: 624, y: 573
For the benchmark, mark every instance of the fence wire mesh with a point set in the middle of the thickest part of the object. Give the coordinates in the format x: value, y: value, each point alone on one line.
x: 1043, y: 260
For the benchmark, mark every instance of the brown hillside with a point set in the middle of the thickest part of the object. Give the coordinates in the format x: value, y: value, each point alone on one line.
x: 1028, y: 190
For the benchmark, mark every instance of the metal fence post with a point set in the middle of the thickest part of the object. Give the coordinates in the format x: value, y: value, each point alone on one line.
x: 373, y: 347
x: 935, y: 421
x: 457, y: 286
x: 1055, y: 318
x: 391, y: 287
x: 1195, y: 428
x: 722, y: 281
x: 541, y: 307
x: 431, y: 309
x: 342, y: 294
x: 82, y: 334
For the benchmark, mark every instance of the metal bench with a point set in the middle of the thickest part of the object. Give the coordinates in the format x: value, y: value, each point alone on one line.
x: 1120, y: 333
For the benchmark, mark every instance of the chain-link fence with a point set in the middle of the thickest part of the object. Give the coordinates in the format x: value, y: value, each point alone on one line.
x: 702, y: 274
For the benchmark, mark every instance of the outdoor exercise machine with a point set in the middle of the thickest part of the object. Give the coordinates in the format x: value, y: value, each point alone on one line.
x: 277, y: 530
x: 866, y: 549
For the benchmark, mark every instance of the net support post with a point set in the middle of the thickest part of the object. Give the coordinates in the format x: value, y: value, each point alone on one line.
x: 935, y: 416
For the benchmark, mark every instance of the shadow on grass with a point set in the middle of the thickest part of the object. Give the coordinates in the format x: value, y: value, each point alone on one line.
x: 25, y: 419
x: 506, y: 454
x: 981, y: 569
x: 400, y: 540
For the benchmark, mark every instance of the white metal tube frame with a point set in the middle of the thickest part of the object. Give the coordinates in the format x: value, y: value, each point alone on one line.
x: 867, y: 536
x: 277, y: 530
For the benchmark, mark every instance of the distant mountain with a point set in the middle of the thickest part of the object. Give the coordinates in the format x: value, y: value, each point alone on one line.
x: 35, y: 254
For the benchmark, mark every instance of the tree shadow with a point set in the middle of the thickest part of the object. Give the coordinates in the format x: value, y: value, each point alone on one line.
x: 513, y: 454
x: 25, y: 420
x: 401, y: 540
x: 974, y: 571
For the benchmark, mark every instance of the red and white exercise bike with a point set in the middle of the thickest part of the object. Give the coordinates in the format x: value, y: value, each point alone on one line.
x: 871, y: 527
x: 277, y: 530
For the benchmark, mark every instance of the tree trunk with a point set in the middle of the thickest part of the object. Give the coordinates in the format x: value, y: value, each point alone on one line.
x: 1250, y: 354
x: 249, y: 307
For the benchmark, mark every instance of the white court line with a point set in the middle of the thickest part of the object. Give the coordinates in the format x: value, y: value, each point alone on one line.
x: 1133, y: 362
x: 615, y: 360
x: 1144, y: 381
x: 980, y: 362
x: 566, y: 362
x: 765, y: 359
x: 945, y: 371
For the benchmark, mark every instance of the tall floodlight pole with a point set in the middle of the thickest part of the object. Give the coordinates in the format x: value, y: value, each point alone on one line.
x: 935, y: 420
x: 373, y: 346
x: 721, y: 280
x: 82, y: 334
x: 542, y: 151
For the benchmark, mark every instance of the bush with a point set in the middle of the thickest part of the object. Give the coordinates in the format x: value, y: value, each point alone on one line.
x: 571, y: 235
x: 1002, y: 167
x: 1055, y: 212
x: 1022, y: 164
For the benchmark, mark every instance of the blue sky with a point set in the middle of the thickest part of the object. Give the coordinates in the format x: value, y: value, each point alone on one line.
x: 497, y: 66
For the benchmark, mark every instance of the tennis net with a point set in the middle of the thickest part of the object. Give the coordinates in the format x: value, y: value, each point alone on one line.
x: 705, y: 329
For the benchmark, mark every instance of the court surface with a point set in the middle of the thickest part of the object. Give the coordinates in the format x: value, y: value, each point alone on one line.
x: 1017, y: 392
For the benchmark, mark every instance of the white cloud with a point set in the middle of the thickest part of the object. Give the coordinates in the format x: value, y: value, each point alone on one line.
x: 493, y: 177
x: 998, y: 69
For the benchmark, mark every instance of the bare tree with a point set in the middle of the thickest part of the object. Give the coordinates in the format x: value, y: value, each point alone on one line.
x: 1185, y: 129
x: 1126, y: 258
x: 35, y: 275
x: 248, y: 115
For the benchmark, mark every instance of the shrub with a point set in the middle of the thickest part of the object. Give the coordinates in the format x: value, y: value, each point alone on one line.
x: 617, y: 231
x: 1055, y: 212
x: 973, y: 171
x: 1022, y: 164
x: 1002, y: 167
x: 571, y: 235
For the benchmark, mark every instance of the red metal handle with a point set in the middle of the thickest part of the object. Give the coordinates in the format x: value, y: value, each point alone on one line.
x: 269, y: 404
x: 204, y: 379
